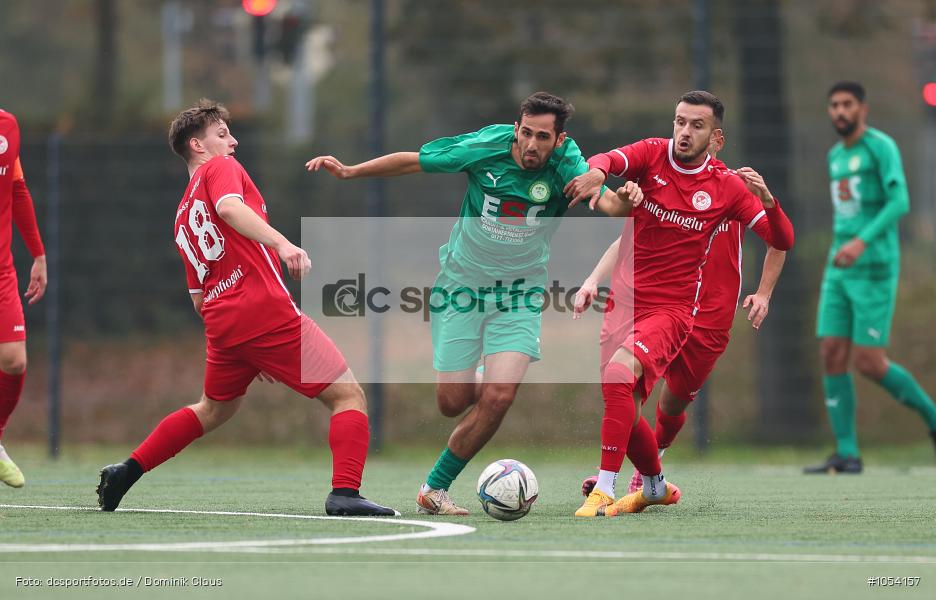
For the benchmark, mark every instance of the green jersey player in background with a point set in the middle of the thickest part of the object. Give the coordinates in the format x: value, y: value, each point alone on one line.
x: 859, y: 287
x: 497, y: 255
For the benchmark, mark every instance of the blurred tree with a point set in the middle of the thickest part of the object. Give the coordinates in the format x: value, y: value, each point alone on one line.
x: 484, y: 57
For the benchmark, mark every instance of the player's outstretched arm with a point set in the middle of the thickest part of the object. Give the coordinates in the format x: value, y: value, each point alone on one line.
x: 247, y: 223
x: 586, y: 186
x: 779, y: 232
x: 757, y: 186
x: 389, y: 165
x: 602, y: 271
x: 759, y: 301
x: 620, y: 203
x: 197, y: 300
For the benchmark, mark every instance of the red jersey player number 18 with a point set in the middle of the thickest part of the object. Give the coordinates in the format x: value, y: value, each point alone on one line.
x: 242, y: 287
x: 253, y: 329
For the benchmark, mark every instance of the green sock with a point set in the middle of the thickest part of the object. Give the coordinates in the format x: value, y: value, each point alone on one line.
x: 900, y: 384
x: 445, y: 470
x: 840, y: 404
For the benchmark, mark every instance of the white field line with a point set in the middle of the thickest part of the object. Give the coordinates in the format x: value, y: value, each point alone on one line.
x: 433, y: 530
x: 610, y: 555
x: 440, y: 529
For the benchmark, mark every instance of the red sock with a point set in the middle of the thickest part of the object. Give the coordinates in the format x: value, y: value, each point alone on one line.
x: 667, y: 427
x: 617, y: 387
x: 642, y: 449
x: 348, y: 437
x: 11, y: 386
x: 170, y: 437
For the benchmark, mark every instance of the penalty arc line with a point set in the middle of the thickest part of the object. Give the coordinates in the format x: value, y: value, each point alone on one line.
x: 434, y: 530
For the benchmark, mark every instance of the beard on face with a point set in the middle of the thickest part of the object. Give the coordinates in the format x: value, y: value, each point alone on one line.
x: 844, y: 127
x: 533, y: 161
x: 690, y: 156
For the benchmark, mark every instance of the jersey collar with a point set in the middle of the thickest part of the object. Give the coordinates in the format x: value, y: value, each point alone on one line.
x: 675, y: 165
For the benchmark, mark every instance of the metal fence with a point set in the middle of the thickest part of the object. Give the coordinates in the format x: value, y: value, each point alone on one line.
x: 448, y: 67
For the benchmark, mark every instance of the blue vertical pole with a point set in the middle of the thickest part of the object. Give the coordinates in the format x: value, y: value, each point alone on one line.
x: 702, y: 79
x: 53, y: 327
x: 376, y: 207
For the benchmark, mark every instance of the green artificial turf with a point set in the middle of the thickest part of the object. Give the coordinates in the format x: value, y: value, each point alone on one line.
x: 749, y: 525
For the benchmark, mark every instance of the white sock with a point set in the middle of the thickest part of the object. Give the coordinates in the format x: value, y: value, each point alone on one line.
x: 606, y: 481
x: 660, y: 452
x: 3, y: 454
x: 654, y: 486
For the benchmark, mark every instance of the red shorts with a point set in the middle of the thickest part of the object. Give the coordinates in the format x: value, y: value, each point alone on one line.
x: 695, y: 361
x: 297, y: 353
x: 12, y: 323
x: 654, y: 336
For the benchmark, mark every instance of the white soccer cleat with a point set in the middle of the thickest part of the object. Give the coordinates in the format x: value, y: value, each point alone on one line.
x: 438, y: 502
x: 10, y: 474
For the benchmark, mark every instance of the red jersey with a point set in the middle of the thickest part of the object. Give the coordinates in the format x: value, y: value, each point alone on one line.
x: 15, y: 202
x: 244, y: 294
x: 721, y: 275
x: 675, y: 225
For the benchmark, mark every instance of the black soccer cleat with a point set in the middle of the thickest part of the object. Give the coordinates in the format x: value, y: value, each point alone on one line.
x: 114, y: 484
x: 356, y: 506
x: 836, y: 463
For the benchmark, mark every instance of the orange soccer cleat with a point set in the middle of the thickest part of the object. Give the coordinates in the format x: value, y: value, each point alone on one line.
x: 595, y: 505
x: 636, y: 502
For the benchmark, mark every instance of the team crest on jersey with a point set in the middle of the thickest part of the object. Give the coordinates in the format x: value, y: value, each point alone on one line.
x: 853, y: 163
x: 701, y: 200
x: 4, y: 144
x: 539, y: 192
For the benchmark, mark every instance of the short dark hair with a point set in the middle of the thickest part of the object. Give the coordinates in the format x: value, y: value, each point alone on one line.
x: 852, y: 87
x: 703, y: 98
x: 542, y: 103
x: 192, y: 122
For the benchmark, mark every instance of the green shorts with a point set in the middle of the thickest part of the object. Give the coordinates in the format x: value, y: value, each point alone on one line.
x: 859, y: 309
x: 467, y: 325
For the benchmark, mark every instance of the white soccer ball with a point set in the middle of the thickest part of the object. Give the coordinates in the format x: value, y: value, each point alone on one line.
x: 507, y: 489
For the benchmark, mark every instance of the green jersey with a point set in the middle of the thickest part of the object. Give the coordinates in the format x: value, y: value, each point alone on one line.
x: 509, y: 214
x: 869, y: 193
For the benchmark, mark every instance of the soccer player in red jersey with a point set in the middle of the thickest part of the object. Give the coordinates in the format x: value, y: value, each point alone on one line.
x: 687, y: 197
x: 252, y: 325
x: 711, y: 329
x: 16, y: 206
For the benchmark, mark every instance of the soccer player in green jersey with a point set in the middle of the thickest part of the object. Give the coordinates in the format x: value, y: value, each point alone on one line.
x: 516, y: 180
x: 859, y: 288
